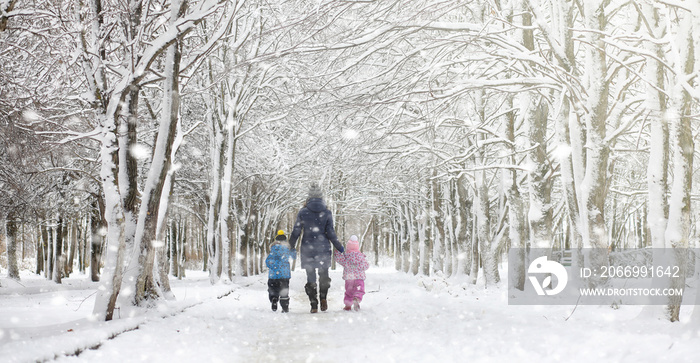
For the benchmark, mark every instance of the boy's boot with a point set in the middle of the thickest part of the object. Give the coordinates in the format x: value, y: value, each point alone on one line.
x: 325, y: 284
x: 310, y: 288
x: 284, y: 302
x: 274, y: 304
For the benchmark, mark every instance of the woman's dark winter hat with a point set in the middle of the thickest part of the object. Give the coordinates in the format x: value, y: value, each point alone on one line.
x: 281, y: 236
x: 315, y: 191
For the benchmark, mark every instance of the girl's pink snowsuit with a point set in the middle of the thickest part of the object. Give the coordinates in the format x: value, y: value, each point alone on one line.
x: 355, y: 264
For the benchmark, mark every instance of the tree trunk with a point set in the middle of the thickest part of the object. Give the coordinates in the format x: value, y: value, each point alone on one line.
x: 376, y: 235
x: 40, y: 240
x: 476, y: 255
x: 678, y: 230
x: 658, y: 166
x: 173, y: 248
x: 487, y: 245
x: 405, y: 239
x: 11, y: 240
x: 143, y: 258
x: 594, y: 182
x: 488, y: 258
x: 182, y: 256
x: 58, y: 251
x: 162, y: 249
x: 438, y: 247
x: 413, y: 243
x: 106, y: 299
x: 214, y: 255
x: 464, y: 205
x: 225, y: 218
x: 48, y: 273
x: 540, y: 213
x: 81, y: 245
x: 97, y: 223
x: 516, y: 214
x: 425, y: 237
x: 74, y: 238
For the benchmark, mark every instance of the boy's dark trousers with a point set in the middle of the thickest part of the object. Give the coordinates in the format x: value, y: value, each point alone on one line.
x: 278, y: 290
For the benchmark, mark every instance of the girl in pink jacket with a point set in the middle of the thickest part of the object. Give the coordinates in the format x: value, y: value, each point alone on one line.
x: 355, y: 264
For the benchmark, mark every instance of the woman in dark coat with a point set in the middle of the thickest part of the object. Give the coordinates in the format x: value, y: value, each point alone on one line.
x: 316, y: 221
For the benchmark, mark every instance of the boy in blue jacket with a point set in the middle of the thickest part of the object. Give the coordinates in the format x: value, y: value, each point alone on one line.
x: 278, y: 278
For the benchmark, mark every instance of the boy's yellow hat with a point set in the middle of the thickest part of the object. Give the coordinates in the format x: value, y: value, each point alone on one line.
x: 280, y: 232
x: 280, y: 236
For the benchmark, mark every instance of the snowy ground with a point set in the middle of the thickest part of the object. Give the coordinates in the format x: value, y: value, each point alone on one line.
x: 404, y: 318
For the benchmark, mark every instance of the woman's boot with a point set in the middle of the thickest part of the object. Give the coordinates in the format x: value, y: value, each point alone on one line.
x: 310, y: 288
x: 324, y: 285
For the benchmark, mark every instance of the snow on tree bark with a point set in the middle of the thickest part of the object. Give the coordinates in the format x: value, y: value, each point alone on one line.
x: 111, y: 279
x: 142, y: 255
x: 593, y: 186
x: 139, y: 276
x: 681, y: 142
x: 213, y: 230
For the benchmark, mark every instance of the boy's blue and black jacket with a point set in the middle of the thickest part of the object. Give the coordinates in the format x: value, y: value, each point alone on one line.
x: 278, y: 261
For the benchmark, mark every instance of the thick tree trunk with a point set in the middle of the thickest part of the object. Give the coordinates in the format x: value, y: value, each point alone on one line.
x: 214, y: 255
x: 540, y: 212
x: 488, y: 257
x: 487, y: 244
x: 565, y: 157
x: 225, y: 218
x: 143, y: 257
x: 681, y: 140
x: 106, y: 299
x: 594, y: 188
x: 658, y: 166
x: 517, y: 231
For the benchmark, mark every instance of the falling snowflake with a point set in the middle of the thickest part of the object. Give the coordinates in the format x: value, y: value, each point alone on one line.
x: 30, y: 116
x: 350, y: 134
x: 140, y: 151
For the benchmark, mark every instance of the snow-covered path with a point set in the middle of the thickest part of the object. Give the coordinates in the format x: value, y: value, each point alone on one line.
x: 399, y: 321
x: 404, y: 318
